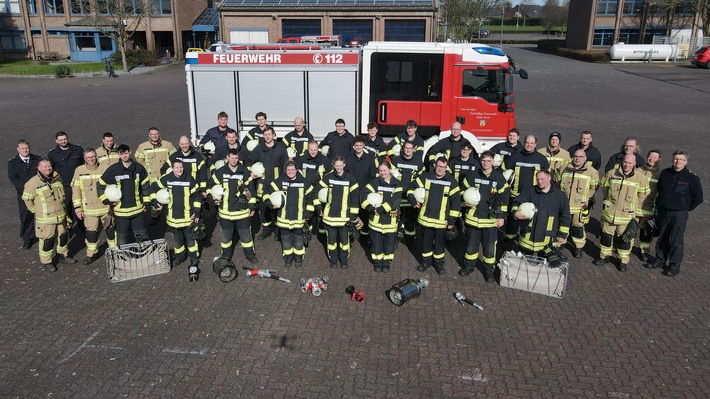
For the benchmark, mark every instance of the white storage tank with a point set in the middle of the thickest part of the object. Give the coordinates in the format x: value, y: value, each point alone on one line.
x: 643, y: 52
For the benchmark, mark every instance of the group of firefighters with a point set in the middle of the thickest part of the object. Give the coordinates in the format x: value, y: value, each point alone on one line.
x: 349, y: 186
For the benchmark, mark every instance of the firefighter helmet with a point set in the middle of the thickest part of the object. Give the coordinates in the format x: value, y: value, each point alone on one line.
x: 325, y: 150
x: 113, y: 193
x: 396, y: 150
x: 420, y: 194
x: 278, y: 198
x: 217, y: 191
x: 528, y: 209
x: 290, y: 152
x: 258, y: 169
x: 472, y: 196
x: 497, y: 160
x: 163, y: 196
x: 323, y: 195
x: 209, y: 147
x: 375, y: 199
x: 251, y: 144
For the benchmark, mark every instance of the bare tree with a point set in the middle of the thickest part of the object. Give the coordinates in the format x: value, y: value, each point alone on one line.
x: 464, y: 17
x: 553, y: 14
x: 118, y: 20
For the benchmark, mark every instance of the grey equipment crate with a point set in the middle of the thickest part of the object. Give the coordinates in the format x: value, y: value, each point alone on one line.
x: 533, y: 274
x: 133, y: 261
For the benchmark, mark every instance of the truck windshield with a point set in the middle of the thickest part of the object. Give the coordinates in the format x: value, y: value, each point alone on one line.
x: 484, y: 83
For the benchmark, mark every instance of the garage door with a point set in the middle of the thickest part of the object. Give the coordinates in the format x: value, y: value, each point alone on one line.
x: 249, y: 36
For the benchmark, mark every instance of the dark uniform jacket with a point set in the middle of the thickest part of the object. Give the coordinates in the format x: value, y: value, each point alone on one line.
x: 298, y: 143
x: 380, y: 218
x: 376, y: 147
x: 525, y: 165
x: 363, y: 167
x: 442, y: 204
x: 552, y: 218
x: 494, y: 198
x: 616, y: 160
x: 300, y: 194
x: 215, y: 135
x: 594, y: 156
x: 185, y: 199
x: 66, y: 161
x: 194, y: 164
x: 461, y: 169
x: 505, y: 150
x: 134, y: 184
x: 273, y: 158
x: 221, y: 153
x: 410, y: 169
x: 417, y: 140
x: 678, y: 191
x: 339, y: 145
x: 235, y: 205
x: 450, y: 148
x: 20, y: 172
x: 343, y: 198
x: 313, y: 168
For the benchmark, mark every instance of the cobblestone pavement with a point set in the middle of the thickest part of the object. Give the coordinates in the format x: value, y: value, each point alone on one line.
x: 616, y: 335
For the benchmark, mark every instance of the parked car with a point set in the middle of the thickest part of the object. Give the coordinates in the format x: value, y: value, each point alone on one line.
x: 481, y: 33
x: 701, y: 58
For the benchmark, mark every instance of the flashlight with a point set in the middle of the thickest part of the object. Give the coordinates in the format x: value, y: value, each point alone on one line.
x: 194, y: 273
x: 405, y: 290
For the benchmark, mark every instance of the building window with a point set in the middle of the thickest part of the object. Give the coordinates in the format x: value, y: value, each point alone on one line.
x: 160, y: 7
x: 10, y: 7
x: 106, y: 43
x: 633, y: 7
x: 300, y: 27
x: 32, y: 6
x: 13, y: 40
x: 102, y: 7
x: 134, y: 7
x: 607, y: 7
x: 405, y: 30
x: 603, y: 37
x: 80, y: 7
x: 359, y: 30
x: 54, y: 6
x: 85, y: 41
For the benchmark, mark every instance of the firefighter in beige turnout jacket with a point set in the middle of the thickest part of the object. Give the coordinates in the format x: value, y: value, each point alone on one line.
x: 648, y: 208
x: 88, y: 207
x: 579, y: 182
x: 152, y: 155
x: 44, y: 196
x: 624, y: 189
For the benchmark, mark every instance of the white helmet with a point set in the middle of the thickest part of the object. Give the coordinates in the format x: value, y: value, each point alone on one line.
x: 217, y: 191
x: 290, y: 152
x: 439, y: 155
x: 472, y: 196
x: 168, y: 171
x: 375, y: 199
x: 278, y: 198
x: 420, y: 194
x: 258, y: 169
x: 251, y: 144
x: 396, y: 150
x: 323, y: 195
x: 113, y: 193
x: 163, y: 196
x: 396, y: 173
x: 527, y: 209
x: 497, y: 160
x: 219, y: 163
x: 209, y: 147
x: 325, y: 150
x: 509, y: 176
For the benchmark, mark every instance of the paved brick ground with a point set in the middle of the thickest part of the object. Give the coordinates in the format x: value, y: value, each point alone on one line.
x: 639, y: 334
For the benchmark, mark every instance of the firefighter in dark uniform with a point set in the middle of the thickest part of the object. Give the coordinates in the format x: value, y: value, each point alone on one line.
x: 363, y: 166
x: 339, y: 212
x: 437, y: 214
x: 464, y: 164
x: 133, y: 181
x: 450, y: 146
x: 255, y: 133
x: 235, y: 207
x: 292, y: 216
x: 193, y: 162
x: 510, y: 146
x: 313, y: 166
x: 409, y: 135
x: 525, y: 165
x: 374, y: 143
x: 272, y: 154
x: 630, y: 146
x: 383, y: 217
x: 298, y: 138
x: 20, y: 169
x: 219, y: 158
x: 679, y: 192
x: 217, y: 134
x: 594, y: 156
x: 339, y: 141
x: 484, y: 219
x: 410, y: 166
x: 182, y: 211
x: 549, y: 227
x: 107, y: 153
x: 65, y: 158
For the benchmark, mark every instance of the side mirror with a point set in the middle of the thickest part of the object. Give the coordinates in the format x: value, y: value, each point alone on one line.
x: 523, y: 74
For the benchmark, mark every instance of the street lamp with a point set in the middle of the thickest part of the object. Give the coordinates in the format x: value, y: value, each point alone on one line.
x: 502, y: 15
x: 517, y: 19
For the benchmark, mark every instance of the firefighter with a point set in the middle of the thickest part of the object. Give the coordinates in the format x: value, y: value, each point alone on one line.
x: 133, y: 181
x: 257, y: 132
x: 679, y: 192
x: 235, y: 207
x: 409, y: 135
x: 339, y: 141
x: 219, y: 158
x: 652, y: 171
x: 374, y: 143
x: 579, y: 181
x: 363, y: 166
x: 383, y: 217
x: 484, y: 219
x: 107, y: 153
x: 313, y: 165
x: 525, y: 165
x: 437, y: 214
x: 299, y: 137
x: 153, y: 155
x: 630, y: 146
x: 557, y: 157
x: 594, y: 157
x: 510, y: 146
x: 217, y: 134
x: 293, y: 215
x: 340, y: 212
x: 20, y: 169
x: 182, y: 211
x: 464, y: 164
x: 549, y: 227
x: 410, y: 166
x: 624, y: 191
x: 193, y: 163
x: 44, y: 196
x: 272, y: 154
x: 65, y: 158
x: 450, y: 146
x: 89, y: 208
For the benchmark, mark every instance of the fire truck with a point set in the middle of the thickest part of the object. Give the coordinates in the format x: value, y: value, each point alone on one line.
x: 434, y: 84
